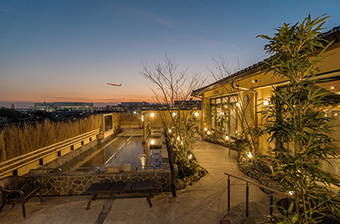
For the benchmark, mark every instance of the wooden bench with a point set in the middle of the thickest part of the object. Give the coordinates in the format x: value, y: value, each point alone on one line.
x: 120, y: 190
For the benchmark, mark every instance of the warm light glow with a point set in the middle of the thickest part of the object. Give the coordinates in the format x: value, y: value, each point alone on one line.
x: 235, y: 131
x: 222, y: 113
x: 196, y: 114
x: 152, y: 142
x: 142, y: 117
x: 190, y: 156
x: 208, y: 132
x: 205, y: 129
x: 266, y: 103
x: 291, y: 193
x: 250, y: 155
x: 173, y: 114
x: 152, y: 115
x: 332, y: 87
x: 181, y: 143
x: 169, y: 130
x: 227, y: 137
x: 238, y: 104
x: 254, y: 81
x: 335, y: 114
x: 178, y: 138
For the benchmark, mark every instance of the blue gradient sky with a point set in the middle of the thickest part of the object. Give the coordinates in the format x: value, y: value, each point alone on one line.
x: 68, y: 50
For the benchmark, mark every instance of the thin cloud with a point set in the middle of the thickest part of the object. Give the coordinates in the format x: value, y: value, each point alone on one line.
x: 156, y: 19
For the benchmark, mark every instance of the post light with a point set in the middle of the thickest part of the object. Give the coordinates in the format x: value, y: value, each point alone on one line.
x: 152, y: 142
x: 208, y: 132
x: 190, y: 156
x: 250, y: 155
x: 196, y: 114
x: 152, y: 114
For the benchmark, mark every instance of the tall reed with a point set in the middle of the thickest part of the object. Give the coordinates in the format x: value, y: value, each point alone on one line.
x: 19, y: 140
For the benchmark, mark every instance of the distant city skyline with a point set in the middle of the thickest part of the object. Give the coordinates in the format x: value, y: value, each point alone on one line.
x: 66, y: 51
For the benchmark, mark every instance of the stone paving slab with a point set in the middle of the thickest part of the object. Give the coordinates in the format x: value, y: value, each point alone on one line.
x: 203, y: 202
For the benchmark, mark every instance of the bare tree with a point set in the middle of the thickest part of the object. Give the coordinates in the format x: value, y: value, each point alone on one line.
x: 246, y: 121
x: 174, y: 87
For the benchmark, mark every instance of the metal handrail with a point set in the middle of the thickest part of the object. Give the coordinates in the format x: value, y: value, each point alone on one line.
x: 272, y: 191
x: 23, y: 160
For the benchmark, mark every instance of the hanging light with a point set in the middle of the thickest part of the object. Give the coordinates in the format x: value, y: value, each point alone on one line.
x: 152, y: 114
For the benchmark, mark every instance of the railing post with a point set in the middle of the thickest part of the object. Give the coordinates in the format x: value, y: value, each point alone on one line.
x: 271, y: 204
x: 247, y: 200
x: 228, y: 193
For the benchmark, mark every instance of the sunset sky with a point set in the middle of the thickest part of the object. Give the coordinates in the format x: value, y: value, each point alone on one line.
x: 68, y: 50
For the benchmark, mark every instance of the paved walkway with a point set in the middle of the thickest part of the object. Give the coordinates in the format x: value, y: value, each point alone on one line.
x: 203, y: 202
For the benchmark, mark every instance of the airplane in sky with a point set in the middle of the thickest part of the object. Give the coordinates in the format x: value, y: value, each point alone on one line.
x: 112, y: 84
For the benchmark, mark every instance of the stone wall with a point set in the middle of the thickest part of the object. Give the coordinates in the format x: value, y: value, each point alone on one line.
x: 77, y: 184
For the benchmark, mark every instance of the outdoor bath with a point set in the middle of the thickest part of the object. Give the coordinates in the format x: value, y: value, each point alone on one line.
x: 123, y: 158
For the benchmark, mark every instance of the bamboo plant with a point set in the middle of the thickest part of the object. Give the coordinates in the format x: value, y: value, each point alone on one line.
x: 296, y: 121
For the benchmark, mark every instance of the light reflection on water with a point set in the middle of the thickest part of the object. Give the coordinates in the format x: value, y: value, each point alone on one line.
x: 127, y: 150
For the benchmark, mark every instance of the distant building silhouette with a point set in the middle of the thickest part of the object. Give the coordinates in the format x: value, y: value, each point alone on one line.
x: 64, y: 106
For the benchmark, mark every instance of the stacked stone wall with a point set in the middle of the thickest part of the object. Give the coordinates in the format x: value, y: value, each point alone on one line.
x: 77, y: 184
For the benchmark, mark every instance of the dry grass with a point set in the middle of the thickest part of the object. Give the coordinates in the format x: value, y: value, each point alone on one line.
x: 16, y: 141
